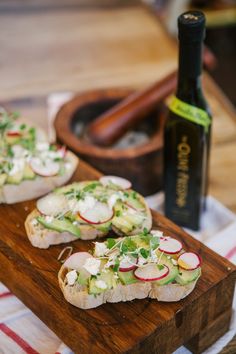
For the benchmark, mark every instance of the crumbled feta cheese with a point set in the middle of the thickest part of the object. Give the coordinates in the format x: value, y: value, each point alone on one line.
x: 92, y: 265
x: 49, y: 219
x: 19, y: 151
x: 18, y: 165
x: 72, y: 205
x: 100, y: 284
x: 34, y: 222
x: 54, y: 154
x: 114, y: 197
x: 75, y: 223
x: 42, y: 146
x: 71, y: 277
x: 83, y: 205
x: 174, y: 261
x: 157, y: 233
x: 100, y: 249
x: 153, y: 256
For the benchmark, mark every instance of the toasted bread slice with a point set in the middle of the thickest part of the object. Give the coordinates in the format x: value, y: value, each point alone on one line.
x: 43, y: 237
x: 118, y: 277
x: 78, y: 295
x: 30, y: 189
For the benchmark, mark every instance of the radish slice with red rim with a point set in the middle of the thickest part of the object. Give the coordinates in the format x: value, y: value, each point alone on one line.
x: 128, y: 263
x: 119, y: 181
x: 62, y: 151
x: 52, y: 204
x: 170, y: 245
x: 13, y: 133
x: 45, y: 168
x: 151, y: 272
x: 77, y: 260
x: 189, y: 260
x: 131, y: 208
x: 99, y: 214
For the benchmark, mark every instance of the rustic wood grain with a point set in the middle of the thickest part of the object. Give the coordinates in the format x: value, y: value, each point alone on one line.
x: 81, y: 49
x: 139, y: 326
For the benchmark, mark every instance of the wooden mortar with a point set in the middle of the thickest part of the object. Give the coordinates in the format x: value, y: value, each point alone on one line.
x: 142, y: 164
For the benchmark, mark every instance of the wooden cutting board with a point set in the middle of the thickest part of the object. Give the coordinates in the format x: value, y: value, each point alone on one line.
x: 140, y: 326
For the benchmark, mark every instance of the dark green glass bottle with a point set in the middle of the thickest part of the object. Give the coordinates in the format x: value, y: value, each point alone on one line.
x: 187, y: 130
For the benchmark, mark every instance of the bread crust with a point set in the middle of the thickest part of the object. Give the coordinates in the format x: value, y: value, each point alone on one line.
x: 43, y: 238
x: 78, y: 296
x: 31, y: 189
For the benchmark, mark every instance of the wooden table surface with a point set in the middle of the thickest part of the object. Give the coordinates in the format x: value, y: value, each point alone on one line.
x: 75, y: 48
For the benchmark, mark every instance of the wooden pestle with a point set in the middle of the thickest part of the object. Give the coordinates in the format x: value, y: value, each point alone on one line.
x: 110, y: 126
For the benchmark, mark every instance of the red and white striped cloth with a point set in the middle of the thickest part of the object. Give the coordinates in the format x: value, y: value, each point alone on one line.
x: 22, y: 332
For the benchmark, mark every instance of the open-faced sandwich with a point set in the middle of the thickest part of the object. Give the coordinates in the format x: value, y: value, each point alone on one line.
x: 29, y: 166
x: 87, y: 210
x: 135, y: 267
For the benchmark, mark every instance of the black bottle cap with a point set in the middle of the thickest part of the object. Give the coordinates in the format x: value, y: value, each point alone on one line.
x: 191, y: 25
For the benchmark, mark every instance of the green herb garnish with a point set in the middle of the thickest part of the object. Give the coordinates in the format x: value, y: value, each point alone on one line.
x: 90, y: 187
x: 10, y: 151
x: 118, y: 213
x: 128, y: 245
x: 145, y: 231
x: 154, y: 242
x: 111, y: 243
x: 22, y: 126
x: 116, y: 265
x: 144, y: 253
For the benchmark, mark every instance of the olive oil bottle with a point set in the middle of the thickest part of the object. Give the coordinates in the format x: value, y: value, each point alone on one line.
x: 187, y: 130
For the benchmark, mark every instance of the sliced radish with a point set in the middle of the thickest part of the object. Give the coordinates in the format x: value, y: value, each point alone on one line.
x: 14, y: 133
x: 189, y: 261
x: 170, y: 245
x: 77, y: 260
x: 45, y: 168
x: 119, y: 181
x: 62, y: 150
x: 151, y: 272
x: 128, y: 263
x: 52, y: 204
x: 100, y: 213
x: 133, y: 208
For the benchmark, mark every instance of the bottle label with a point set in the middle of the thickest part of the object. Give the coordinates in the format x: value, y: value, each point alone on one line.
x: 189, y: 112
x: 182, y: 178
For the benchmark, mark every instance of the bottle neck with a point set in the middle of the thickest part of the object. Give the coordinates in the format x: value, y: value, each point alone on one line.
x: 189, y: 86
x: 190, y: 68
